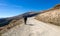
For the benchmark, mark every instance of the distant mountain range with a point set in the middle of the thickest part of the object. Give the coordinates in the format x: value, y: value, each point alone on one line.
x: 6, y: 21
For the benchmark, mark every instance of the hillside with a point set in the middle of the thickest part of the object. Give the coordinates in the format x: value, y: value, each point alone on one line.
x: 10, y: 22
x: 33, y: 28
x: 50, y: 16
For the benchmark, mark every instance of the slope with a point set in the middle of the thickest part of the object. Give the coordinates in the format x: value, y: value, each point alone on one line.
x: 36, y: 28
x: 50, y: 16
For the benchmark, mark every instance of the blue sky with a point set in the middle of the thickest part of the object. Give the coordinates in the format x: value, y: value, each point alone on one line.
x: 10, y: 8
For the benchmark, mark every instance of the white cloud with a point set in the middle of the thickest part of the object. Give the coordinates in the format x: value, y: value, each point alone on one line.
x: 9, y: 5
x: 16, y: 6
x: 1, y: 4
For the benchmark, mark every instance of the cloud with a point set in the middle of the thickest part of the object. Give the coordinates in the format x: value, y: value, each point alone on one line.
x: 16, y: 6
x: 1, y: 4
x: 13, y: 7
x: 10, y: 5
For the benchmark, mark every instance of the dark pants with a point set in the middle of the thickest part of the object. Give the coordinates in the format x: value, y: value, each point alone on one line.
x: 25, y: 19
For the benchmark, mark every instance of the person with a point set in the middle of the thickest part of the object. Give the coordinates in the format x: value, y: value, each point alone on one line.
x: 28, y: 15
x: 25, y: 20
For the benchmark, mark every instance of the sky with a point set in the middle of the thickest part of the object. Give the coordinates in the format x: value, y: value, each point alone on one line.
x: 9, y: 8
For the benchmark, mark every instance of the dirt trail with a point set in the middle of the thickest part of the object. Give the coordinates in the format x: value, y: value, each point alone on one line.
x: 34, y: 28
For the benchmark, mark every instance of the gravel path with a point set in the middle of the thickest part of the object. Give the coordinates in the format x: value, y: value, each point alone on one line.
x: 34, y: 28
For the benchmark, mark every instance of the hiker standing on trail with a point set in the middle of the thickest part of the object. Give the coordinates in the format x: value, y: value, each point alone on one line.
x: 25, y: 20
x: 28, y: 15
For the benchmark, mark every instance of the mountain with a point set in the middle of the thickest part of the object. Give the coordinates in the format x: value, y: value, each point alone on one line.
x: 50, y: 16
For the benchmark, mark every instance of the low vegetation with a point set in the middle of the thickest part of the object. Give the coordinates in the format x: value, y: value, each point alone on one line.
x: 51, y: 16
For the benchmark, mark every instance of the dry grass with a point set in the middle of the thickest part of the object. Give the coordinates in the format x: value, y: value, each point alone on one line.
x: 52, y: 16
x: 12, y: 24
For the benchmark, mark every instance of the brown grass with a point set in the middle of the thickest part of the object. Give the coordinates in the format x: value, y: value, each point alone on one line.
x: 12, y: 24
x: 52, y: 16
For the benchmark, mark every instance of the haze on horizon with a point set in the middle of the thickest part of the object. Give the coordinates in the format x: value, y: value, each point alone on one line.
x: 10, y: 8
